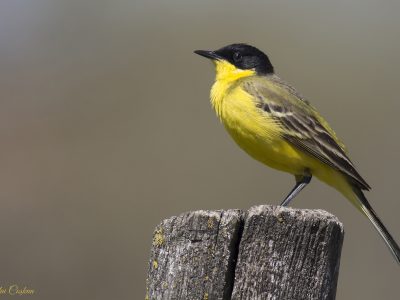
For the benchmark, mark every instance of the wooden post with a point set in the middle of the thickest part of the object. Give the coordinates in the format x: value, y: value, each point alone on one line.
x: 265, y: 253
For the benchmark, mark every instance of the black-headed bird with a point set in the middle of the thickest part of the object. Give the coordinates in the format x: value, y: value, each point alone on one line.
x: 275, y: 125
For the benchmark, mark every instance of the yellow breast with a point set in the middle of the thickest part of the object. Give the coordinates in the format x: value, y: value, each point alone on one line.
x: 252, y: 130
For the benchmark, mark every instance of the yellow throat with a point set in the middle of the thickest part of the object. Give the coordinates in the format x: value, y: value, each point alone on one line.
x: 226, y: 77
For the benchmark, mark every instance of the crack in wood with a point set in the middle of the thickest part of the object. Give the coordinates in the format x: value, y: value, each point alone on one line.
x: 265, y: 253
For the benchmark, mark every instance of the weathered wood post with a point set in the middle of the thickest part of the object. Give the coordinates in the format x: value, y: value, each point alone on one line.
x: 267, y: 252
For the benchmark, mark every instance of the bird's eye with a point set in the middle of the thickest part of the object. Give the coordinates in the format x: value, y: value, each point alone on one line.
x: 237, y: 56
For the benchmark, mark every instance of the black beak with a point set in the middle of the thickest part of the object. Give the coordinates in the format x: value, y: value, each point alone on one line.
x: 208, y: 54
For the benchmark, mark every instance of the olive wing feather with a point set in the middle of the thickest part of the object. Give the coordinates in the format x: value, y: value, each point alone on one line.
x: 302, y: 126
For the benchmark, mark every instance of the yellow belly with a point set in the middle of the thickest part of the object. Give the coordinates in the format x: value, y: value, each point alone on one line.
x: 259, y: 135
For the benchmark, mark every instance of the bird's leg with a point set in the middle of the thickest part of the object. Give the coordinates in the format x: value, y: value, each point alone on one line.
x: 301, y: 182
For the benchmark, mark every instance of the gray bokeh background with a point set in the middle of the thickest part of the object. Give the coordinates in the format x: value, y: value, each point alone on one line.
x: 106, y: 129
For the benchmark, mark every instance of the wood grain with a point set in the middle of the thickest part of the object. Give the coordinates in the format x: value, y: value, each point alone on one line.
x: 267, y: 252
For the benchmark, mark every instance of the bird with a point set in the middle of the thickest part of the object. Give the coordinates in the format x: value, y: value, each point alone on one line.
x: 278, y: 127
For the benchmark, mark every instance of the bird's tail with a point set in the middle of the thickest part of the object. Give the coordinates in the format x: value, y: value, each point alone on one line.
x: 366, y: 208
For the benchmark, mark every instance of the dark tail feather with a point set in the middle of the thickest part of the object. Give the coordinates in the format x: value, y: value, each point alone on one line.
x: 372, y: 216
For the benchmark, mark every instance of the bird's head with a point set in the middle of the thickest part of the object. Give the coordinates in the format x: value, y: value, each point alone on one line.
x: 238, y: 60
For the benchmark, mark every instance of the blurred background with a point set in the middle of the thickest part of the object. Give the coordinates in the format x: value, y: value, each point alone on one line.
x: 106, y: 129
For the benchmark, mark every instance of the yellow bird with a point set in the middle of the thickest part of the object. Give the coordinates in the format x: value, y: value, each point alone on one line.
x: 275, y: 125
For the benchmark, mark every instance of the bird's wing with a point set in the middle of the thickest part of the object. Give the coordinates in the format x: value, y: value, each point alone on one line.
x: 301, y: 125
